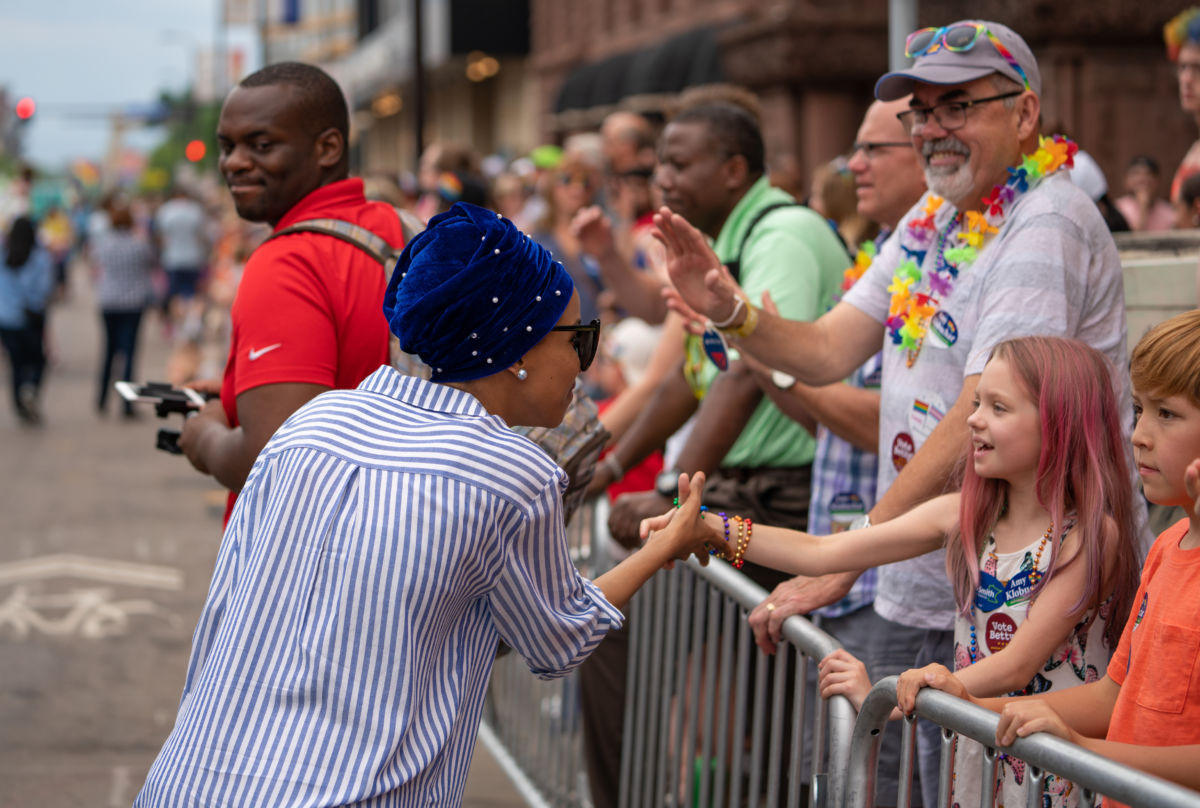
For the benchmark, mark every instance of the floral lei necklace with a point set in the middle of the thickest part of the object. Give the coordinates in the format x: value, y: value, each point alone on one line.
x: 916, y: 295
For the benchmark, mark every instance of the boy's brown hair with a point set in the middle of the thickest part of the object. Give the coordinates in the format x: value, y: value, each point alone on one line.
x: 1166, y: 362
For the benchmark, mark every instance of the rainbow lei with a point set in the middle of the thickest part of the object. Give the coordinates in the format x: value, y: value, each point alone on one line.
x: 866, y: 254
x: 916, y: 295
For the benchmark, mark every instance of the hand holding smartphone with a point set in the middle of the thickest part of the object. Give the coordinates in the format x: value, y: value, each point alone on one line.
x: 166, y: 399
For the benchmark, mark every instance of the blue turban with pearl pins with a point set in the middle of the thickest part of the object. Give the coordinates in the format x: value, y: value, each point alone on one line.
x: 471, y: 294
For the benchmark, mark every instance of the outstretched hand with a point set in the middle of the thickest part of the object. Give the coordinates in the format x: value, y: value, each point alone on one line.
x: 696, y: 272
x: 935, y: 676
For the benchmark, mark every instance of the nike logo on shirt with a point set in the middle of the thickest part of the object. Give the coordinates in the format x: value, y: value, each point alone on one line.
x: 256, y: 354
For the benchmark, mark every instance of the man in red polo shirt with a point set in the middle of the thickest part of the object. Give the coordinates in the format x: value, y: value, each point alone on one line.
x: 308, y: 316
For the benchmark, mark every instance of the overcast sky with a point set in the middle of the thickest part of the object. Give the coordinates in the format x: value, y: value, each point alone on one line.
x: 85, y: 55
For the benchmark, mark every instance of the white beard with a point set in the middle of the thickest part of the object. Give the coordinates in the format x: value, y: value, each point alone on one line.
x: 953, y: 184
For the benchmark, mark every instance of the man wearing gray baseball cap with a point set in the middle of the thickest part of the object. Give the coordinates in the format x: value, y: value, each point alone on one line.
x: 1002, y: 245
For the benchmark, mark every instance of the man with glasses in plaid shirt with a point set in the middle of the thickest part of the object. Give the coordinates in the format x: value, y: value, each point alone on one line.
x: 1002, y: 245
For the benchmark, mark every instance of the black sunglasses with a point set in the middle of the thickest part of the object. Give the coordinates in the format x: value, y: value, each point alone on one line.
x: 586, y: 340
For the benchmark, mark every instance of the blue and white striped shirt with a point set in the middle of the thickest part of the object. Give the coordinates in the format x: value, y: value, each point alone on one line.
x: 386, y: 539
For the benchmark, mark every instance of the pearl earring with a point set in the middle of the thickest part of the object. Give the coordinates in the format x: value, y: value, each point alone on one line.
x: 522, y: 374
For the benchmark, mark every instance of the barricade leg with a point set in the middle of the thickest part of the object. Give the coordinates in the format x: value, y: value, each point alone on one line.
x: 706, y: 694
x: 678, y: 760
x: 691, y: 721
x: 987, y: 779
x: 908, y: 751
x: 758, y: 724
x: 740, y: 709
x: 666, y: 693
x: 946, y: 772
x: 724, y: 705
x: 778, y: 710
x: 1034, y: 780
x: 652, y: 684
x: 799, y: 699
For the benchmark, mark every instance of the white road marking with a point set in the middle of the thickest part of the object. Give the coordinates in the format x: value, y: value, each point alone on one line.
x: 103, y: 570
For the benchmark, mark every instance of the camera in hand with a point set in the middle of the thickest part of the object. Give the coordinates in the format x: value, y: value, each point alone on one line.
x: 166, y: 399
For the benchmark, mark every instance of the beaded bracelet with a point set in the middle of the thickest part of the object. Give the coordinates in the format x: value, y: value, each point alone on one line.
x: 703, y: 508
x: 725, y: 521
x: 745, y: 531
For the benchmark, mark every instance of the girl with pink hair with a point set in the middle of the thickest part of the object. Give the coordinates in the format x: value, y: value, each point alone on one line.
x: 1040, y: 543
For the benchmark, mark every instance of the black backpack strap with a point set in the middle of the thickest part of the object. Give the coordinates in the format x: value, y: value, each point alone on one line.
x: 371, y: 243
x: 735, y: 266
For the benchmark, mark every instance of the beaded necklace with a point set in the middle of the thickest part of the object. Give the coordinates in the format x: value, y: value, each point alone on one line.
x: 917, y: 295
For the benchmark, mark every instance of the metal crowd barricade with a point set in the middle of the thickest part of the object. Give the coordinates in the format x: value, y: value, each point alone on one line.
x: 532, y: 726
x: 693, y: 735
x: 689, y: 637
x: 1042, y: 753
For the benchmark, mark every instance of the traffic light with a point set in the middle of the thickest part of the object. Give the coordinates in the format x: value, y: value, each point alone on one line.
x: 25, y: 108
x: 195, y: 150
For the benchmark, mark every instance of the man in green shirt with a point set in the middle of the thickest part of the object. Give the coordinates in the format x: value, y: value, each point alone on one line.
x: 758, y: 460
x: 711, y: 172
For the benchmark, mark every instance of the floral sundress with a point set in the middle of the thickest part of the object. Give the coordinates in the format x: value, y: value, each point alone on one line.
x: 1005, y: 582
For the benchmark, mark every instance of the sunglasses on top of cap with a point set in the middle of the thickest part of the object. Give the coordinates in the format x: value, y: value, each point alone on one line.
x: 958, y: 38
x: 585, y: 341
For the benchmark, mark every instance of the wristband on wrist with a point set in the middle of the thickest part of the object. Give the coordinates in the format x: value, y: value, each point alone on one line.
x: 749, y: 324
x: 729, y: 321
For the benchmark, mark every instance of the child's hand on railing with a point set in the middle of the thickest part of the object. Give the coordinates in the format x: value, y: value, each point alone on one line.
x: 842, y: 674
x: 936, y: 676
x: 1023, y: 717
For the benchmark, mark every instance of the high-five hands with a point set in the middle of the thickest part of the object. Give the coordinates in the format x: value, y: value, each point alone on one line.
x: 703, y: 284
x: 682, y: 526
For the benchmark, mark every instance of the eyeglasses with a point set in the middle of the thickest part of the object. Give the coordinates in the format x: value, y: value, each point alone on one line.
x: 950, y: 115
x: 585, y: 341
x: 871, y: 147
x: 958, y: 38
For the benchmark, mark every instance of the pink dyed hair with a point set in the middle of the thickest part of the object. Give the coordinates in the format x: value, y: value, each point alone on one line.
x: 1082, y: 471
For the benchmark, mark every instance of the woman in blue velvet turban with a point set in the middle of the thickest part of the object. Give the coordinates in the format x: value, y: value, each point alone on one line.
x: 490, y: 311
x: 387, y: 539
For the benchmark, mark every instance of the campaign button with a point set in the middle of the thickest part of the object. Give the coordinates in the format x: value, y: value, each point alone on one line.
x: 999, y: 632
x: 945, y: 330
x: 902, y: 450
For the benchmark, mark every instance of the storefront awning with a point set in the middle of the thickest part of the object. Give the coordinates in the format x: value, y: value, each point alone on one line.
x: 683, y: 61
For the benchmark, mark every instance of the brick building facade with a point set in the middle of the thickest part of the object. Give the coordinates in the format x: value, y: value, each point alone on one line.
x: 813, y: 64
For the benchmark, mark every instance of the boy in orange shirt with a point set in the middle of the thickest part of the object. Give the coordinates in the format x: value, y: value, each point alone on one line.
x: 1145, y: 712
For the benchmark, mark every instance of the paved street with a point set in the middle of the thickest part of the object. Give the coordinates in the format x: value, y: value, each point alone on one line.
x: 106, y: 548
